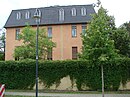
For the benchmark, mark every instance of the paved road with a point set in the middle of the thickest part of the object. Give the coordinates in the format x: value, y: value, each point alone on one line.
x: 66, y: 95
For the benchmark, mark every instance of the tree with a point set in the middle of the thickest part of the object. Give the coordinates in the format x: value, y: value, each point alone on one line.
x: 97, y: 43
x: 28, y: 49
x: 2, y: 47
x: 122, y: 40
x: 127, y: 26
x: 98, y: 47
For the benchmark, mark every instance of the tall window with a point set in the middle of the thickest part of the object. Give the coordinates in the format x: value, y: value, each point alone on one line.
x: 18, y: 16
x: 17, y: 58
x: 74, y: 31
x: 84, y: 27
x: 27, y: 15
x: 50, y: 32
x: 83, y: 11
x: 61, y: 15
x: 73, y: 11
x: 17, y: 34
x: 49, y: 54
x: 74, y: 53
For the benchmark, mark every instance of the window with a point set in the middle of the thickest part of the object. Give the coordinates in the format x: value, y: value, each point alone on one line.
x: 27, y: 15
x: 83, y: 11
x: 18, y: 16
x: 74, y: 31
x: 84, y: 27
x: 61, y: 15
x: 50, y: 32
x: 17, y: 34
x: 49, y: 54
x: 17, y: 58
x: 73, y: 11
x: 74, y: 53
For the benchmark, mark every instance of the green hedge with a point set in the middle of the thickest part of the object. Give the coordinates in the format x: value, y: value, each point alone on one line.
x: 21, y: 74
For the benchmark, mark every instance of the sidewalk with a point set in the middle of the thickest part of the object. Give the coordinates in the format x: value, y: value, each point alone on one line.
x: 66, y: 95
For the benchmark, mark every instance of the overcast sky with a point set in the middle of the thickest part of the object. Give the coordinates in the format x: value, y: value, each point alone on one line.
x: 117, y: 8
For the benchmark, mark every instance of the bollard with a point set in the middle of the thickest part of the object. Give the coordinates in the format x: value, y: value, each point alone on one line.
x: 2, y: 90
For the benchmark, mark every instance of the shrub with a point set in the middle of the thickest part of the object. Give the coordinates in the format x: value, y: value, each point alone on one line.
x: 21, y: 74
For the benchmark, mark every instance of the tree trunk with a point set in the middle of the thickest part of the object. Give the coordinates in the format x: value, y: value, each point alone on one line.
x: 102, y: 80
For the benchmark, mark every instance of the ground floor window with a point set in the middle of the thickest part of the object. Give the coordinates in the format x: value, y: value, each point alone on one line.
x: 49, y: 54
x: 74, y: 53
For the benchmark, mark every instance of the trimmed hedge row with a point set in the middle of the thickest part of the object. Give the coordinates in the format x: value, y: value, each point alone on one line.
x: 21, y: 74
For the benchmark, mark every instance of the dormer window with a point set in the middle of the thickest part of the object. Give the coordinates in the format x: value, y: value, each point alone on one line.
x: 61, y: 15
x: 27, y: 15
x: 73, y: 11
x: 18, y: 16
x: 83, y: 11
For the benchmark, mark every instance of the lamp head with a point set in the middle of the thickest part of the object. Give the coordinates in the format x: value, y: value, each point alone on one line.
x: 37, y: 15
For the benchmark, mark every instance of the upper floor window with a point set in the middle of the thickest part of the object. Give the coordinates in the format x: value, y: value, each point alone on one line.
x: 27, y: 15
x: 74, y: 31
x: 18, y: 16
x: 17, y: 34
x: 83, y: 11
x: 84, y: 28
x: 50, y: 32
x: 73, y: 10
x: 61, y: 15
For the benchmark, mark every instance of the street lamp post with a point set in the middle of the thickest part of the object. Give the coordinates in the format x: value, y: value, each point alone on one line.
x: 37, y: 16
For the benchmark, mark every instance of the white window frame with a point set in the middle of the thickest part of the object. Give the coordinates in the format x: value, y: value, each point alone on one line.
x: 84, y: 28
x: 74, y: 31
x: 17, y: 34
x: 73, y: 11
x: 61, y: 14
x: 18, y: 16
x: 27, y: 15
x: 83, y: 11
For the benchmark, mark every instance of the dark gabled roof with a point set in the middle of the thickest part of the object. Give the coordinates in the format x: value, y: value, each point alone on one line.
x: 50, y: 15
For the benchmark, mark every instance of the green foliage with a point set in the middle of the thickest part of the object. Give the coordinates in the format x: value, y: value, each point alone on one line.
x: 122, y: 39
x: 2, y: 56
x: 21, y: 74
x: 17, y: 75
x: 97, y: 44
x: 28, y: 49
x: 2, y: 39
x: 127, y: 26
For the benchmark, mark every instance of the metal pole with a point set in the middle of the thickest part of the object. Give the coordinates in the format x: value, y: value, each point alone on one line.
x: 37, y: 16
x: 102, y: 81
x: 37, y: 57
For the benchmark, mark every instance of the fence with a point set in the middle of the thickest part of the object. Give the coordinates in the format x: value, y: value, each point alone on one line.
x: 2, y: 90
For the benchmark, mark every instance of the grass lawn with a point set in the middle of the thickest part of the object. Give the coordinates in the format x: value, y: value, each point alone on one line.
x: 72, y: 92
x: 67, y: 92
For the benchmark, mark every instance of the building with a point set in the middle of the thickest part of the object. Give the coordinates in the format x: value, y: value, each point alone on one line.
x: 64, y: 25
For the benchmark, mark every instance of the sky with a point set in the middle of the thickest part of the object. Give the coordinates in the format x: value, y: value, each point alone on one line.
x: 117, y: 8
